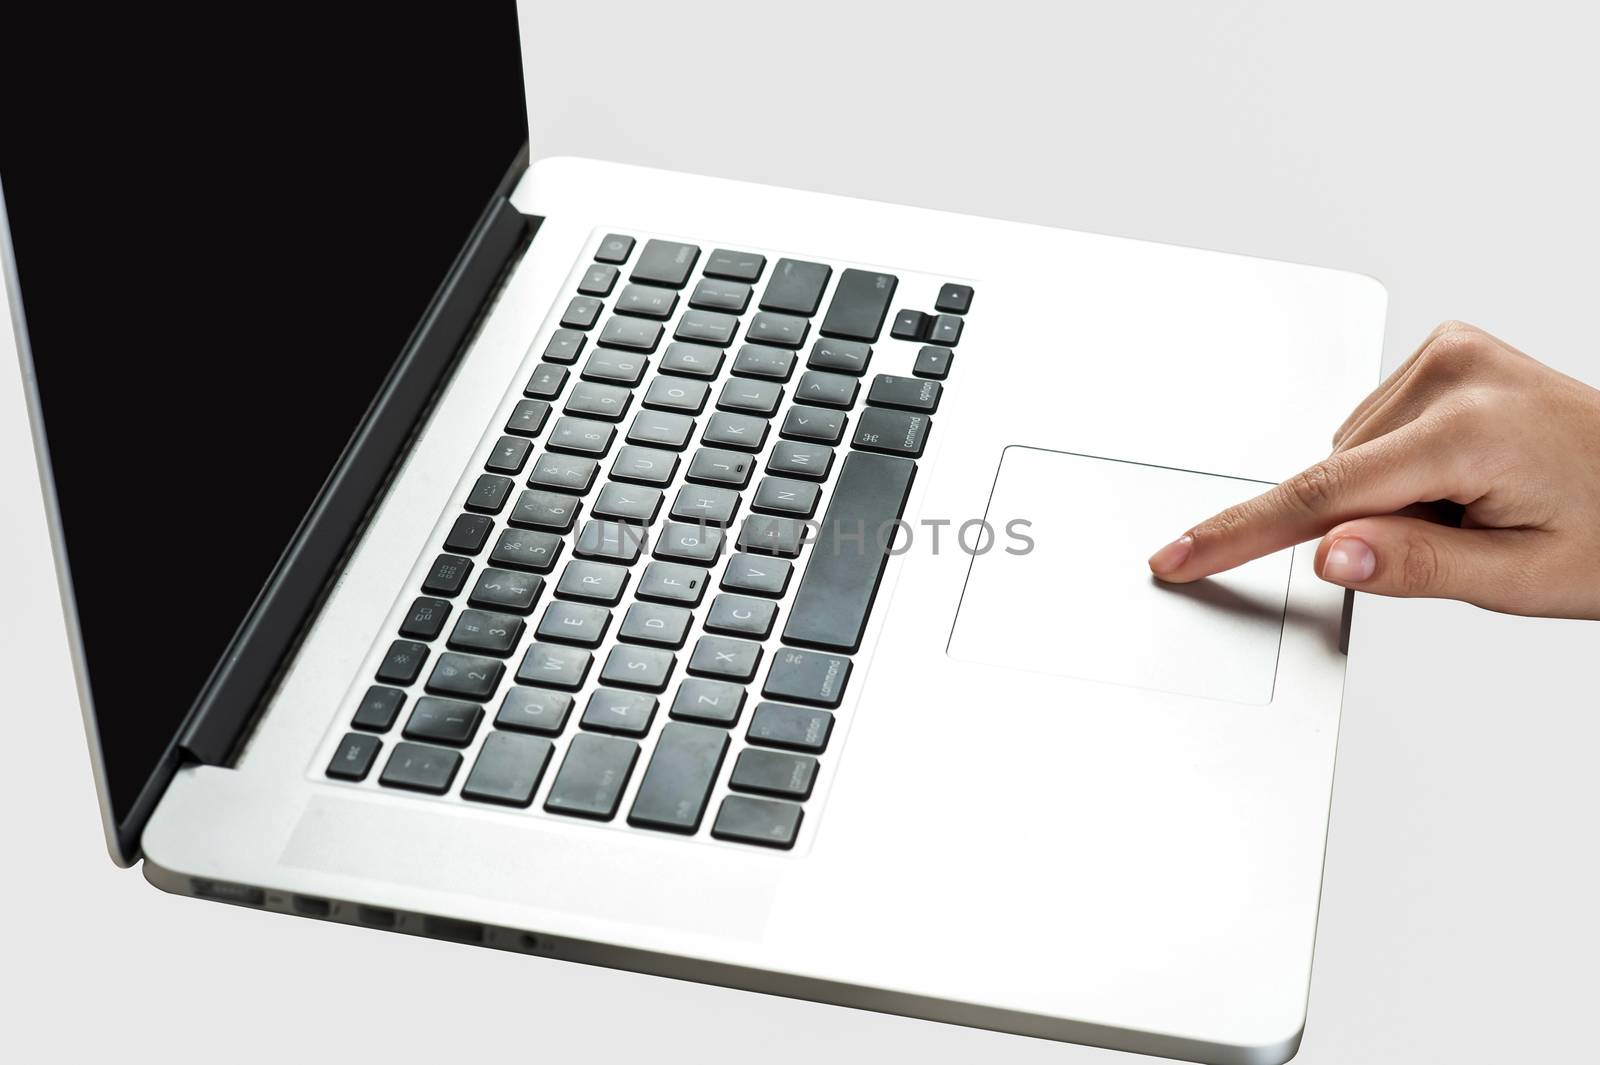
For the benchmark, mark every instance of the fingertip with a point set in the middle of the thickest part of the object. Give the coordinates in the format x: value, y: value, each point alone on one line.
x: 1166, y: 562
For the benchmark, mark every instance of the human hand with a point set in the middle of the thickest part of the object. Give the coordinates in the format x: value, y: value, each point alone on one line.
x: 1472, y: 473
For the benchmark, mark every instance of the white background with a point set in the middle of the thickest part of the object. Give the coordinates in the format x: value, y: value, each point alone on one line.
x: 1449, y: 150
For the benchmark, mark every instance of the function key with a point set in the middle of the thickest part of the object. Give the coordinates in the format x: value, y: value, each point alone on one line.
x: 378, y: 709
x: 892, y: 432
x: 665, y: 262
x: 597, y: 280
x: 468, y: 534
x: 582, y: 312
x: 420, y: 767
x: 353, y: 760
x: 946, y: 330
x: 614, y: 248
x: 509, y: 455
x: 953, y: 299
x: 425, y: 619
x: 403, y: 663
x: 565, y: 345
x: 448, y: 575
x: 911, y: 325
x: 547, y: 381
x: 933, y: 362
x: 859, y: 305
x: 765, y: 822
x: 735, y: 265
x: 904, y: 393
x: 488, y: 495
x: 527, y: 417
x: 796, y: 287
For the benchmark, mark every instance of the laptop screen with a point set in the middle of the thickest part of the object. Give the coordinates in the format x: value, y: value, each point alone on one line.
x: 225, y: 231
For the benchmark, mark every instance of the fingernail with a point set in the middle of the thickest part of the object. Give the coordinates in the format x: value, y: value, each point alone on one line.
x: 1173, y: 555
x: 1349, y: 561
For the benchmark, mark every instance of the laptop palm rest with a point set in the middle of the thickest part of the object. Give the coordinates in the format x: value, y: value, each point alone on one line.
x: 1082, y: 603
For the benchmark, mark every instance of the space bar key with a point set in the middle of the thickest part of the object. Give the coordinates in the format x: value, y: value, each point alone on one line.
x: 849, y: 553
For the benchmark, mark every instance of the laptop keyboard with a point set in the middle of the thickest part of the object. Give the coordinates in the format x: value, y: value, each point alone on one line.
x: 656, y: 584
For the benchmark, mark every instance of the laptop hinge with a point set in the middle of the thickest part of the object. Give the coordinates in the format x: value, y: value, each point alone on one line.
x: 247, y: 674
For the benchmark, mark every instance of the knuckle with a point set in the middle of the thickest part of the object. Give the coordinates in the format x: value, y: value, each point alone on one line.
x: 1454, y: 353
x: 1421, y: 567
x: 1314, y: 489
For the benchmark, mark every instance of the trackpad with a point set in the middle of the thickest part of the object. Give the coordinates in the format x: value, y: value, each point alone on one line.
x: 1082, y: 602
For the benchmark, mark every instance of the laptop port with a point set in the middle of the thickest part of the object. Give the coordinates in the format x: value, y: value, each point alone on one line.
x: 449, y: 928
x: 311, y: 906
x: 222, y: 891
x: 376, y: 916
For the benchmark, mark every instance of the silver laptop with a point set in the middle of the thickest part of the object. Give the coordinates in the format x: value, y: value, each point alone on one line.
x: 747, y: 585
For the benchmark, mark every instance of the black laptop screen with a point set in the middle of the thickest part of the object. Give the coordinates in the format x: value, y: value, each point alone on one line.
x: 225, y: 231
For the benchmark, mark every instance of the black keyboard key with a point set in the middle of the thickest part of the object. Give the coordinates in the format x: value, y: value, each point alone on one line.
x: 419, y: 767
x: 823, y: 389
x: 691, y: 360
x: 534, y: 710
x: 786, y: 496
x: 654, y: 428
x: 378, y: 709
x: 740, y: 615
x: 840, y: 356
x: 904, y: 393
x: 654, y: 623
x: 526, y: 549
x: 647, y: 301
x: 665, y: 262
x: 945, y: 330
x: 631, y: 334
x: 841, y: 579
x: 448, y: 575
x: 592, y: 399
x: 354, y: 757
x: 581, y: 623
x: 627, y: 502
x: 468, y: 676
x: 468, y: 534
x: 503, y: 589
x: 764, y: 822
x: 761, y: 398
x: 447, y: 721
x: 546, y: 382
x: 756, y: 574
x: 528, y: 417
x: 775, y: 773
x: 509, y: 455
x: 403, y: 662
x: 488, y: 495
x: 859, y: 305
x: 614, y: 248
x: 795, y: 728
x: 610, y: 541
x: 592, y: 776
x: 565, y: 345
x: 669, y: 582
x: 679, y: 397
x: 594, y: 582
x: 707, y: 327
x: 743, y: 431
x: 566, y: 473
x: 953, y: 299
x: 624, y: 368
x: 680, y: 542
x: 581, y: 313
x: 799, y: 458
x: 714, y: 295
x: 538, y: 509
x: 911, y: 325
x: 892, y: 432
x: 762, y: 360
x: 644, y: 465
x: 648, y: 668
x: 712, y: 702
x: 934, y: 362
x: 735, y: 265
x: 508, y: 769
x: 425, y: 620
x: 807, y: 677
x: 725, y: 659
x: 598, y: 280
x: 486, y: 632
x: 677, y: 783
x: 772, y: 535
x: 779, y: 330
x: 817, y: 424
x: 705, y: 505
x: 581, y: 436
x: 796, y: 287
x: 715, y: 466
x: 553, y: 666
x: 623, y: 713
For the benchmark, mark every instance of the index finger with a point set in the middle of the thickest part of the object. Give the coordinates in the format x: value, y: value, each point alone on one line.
x: 1378, y: 477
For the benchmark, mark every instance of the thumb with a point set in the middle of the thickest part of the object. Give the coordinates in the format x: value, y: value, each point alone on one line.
x: 1410, y: 557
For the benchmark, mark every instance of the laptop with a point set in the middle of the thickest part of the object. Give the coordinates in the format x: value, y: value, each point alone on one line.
x: 713, y: 580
